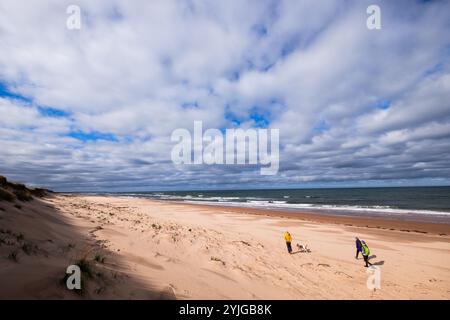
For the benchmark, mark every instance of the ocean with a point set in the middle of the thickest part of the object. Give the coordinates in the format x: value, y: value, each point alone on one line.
x: 416, y: 203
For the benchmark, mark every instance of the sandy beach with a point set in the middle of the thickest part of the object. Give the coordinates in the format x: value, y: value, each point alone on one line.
x: 145, y: 249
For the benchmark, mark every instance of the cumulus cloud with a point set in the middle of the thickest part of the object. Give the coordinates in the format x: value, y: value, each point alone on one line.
x: 93, y: 109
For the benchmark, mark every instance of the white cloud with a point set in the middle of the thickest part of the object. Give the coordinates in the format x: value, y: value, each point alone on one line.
x: 138, y: 70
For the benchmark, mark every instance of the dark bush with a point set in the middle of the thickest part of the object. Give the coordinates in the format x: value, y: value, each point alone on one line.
x: 17, y: 186
x: 23, y: 195
x: 38, y: 192
x: 13, y: 256
x: 27, y: 248
x: 6, y: 196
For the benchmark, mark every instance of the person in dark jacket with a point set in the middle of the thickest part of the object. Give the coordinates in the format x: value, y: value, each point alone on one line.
x: 358, y: 247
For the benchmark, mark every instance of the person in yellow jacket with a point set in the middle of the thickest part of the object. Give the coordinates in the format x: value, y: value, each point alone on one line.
x: 365, y: 253
x: 288, y: 238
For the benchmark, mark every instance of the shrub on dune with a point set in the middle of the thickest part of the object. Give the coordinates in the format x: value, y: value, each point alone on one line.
x: 16, y: 186
x: 6, y: 195
x: 39, y: 192
x: 19, y: 191
x: 23, y: 195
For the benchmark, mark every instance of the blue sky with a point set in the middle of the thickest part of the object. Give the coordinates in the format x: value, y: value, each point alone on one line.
x: 94, y: 109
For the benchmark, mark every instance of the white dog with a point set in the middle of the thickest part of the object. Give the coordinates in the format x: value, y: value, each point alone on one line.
x: 302, y: 248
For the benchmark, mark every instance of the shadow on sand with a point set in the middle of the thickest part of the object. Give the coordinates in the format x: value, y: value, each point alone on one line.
x: 54, y: 243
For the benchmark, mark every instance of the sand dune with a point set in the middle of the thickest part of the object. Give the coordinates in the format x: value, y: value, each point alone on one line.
x: 160, y: 250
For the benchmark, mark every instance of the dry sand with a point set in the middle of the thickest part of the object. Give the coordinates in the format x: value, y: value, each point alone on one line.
x: 158, y: 250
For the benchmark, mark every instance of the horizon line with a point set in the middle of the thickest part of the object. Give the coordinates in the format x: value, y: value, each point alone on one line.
x: 255, y: 189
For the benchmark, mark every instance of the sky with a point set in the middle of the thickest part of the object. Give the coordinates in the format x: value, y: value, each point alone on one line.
x: 93, y: 109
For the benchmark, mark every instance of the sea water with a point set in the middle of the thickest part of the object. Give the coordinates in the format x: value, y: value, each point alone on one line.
x: 417, y: 203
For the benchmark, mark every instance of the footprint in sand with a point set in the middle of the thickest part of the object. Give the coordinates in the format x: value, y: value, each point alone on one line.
x: 323, y: 265
x: 309, y: 264
x: 343, y: 274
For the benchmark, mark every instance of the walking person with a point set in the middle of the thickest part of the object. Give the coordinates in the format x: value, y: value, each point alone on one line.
x: 365, y: 252
x: 358, y: 247
x: 288, y: 238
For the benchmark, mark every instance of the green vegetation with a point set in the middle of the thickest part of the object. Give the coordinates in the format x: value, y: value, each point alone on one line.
x: 27, y: 248
x: 13, y: 256
x: 6, y: 195
x: 156, y: 226
x: 99, y: 258
x: 86, y: 272
x: 218, y: 260
x: 39, y: 192
x: 23, y: 195
x: 85, y: 267
x: 10, y: 191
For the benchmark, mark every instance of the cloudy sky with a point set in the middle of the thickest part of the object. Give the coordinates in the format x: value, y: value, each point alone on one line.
x: 94, y: 108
